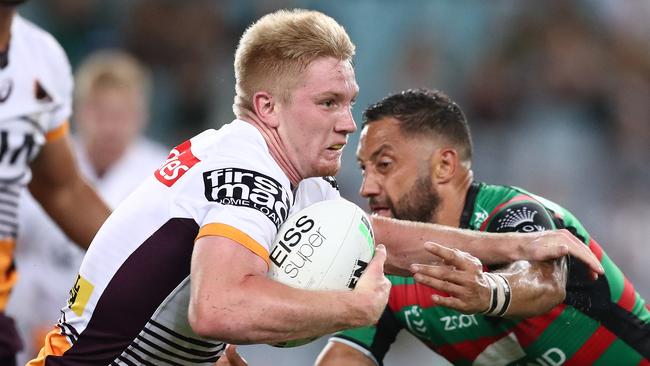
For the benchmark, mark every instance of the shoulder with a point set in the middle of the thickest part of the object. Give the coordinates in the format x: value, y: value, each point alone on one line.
x: 316, y: 189
x: 42, y: 57
x: 39, y: 42
x: 511, y: 209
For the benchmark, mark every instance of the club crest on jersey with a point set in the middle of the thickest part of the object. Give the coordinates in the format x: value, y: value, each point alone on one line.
x: 248, y: 188
x: 179, y: 161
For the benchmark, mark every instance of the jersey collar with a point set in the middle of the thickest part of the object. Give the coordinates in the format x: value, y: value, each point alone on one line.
x: 470, y: 198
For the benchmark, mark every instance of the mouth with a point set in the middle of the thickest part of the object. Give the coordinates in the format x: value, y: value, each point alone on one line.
x: 336, y: 147
x: 381, y: 211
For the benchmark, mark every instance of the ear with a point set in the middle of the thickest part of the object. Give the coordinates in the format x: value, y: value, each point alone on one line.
x: 265, y: 108
x: 444, y: 165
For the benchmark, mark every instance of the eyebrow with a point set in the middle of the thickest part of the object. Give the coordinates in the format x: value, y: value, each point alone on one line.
x: 335, y: 95
x: 378, y: 152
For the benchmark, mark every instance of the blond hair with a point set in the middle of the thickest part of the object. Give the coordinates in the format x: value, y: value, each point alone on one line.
x: 111, y: 69
x: 273, y: 52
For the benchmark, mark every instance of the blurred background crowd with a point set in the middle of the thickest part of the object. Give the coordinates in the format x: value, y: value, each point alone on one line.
x: 557, y: 92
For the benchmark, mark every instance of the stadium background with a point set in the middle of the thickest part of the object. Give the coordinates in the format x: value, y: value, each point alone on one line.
x: 556, y: 94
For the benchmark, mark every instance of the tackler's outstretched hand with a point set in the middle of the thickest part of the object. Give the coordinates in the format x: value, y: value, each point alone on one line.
x: 460, y: 275
x: 558, y: 243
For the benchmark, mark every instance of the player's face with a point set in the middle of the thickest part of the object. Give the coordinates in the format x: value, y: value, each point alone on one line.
x: 396, y: 173
x: 316, y: 121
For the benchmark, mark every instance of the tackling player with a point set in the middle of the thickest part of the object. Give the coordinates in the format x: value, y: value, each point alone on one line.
x: 35, y: 104
x: 415, y: 154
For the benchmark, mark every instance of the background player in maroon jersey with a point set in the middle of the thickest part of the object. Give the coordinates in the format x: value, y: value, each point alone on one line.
x: 56, y: 182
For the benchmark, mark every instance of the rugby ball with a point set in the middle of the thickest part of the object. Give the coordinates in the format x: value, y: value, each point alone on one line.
x: 325, y: 246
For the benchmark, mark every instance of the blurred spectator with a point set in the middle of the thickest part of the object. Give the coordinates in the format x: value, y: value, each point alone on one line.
x: 182, y: 42
x: 111, y: 112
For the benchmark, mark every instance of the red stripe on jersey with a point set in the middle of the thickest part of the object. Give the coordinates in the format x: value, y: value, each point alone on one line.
x: 517, y: 198
x: 596, y: 249
x: 467, y: 350
x: 412, y: 294
x: 528, y: 330
x: 628, y: 297
x: 593, y: 348
x: 644, y: 362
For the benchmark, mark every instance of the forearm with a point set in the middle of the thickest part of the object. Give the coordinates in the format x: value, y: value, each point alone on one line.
x: 259, y: 310
x: 535, y: 287
x: 404, y: 242
x: 75, y: 207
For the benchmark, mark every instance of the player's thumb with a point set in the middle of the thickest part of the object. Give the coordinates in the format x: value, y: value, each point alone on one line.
x: 376, y: 265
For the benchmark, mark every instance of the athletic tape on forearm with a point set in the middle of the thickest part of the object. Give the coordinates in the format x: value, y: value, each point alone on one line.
x: 500, y: 294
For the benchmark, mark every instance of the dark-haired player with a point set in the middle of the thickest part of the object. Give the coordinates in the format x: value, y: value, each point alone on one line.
x: 415, y: 154
x: 35, y: 104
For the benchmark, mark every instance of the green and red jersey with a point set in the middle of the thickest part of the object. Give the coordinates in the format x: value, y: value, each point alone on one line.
x: 602, y: 322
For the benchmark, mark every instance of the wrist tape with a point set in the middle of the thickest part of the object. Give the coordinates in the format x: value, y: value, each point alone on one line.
x: 499, y: 294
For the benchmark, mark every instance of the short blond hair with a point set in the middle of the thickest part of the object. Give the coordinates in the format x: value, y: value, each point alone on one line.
x: 111, y: 69
x: 273, y: 52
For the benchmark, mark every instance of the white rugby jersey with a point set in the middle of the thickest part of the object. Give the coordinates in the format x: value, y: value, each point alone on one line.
x: 35, y: 103
x: 130, y: 302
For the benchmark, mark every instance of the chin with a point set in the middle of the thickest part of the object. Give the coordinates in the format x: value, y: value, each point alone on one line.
x: 328, y: 170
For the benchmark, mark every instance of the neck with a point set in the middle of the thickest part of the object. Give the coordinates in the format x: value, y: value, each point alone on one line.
x: 6, y: 16
x: 276, y: 147
x: 453, y: 200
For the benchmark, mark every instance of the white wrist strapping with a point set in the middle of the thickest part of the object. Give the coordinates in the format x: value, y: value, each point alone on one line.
x: 500, y: 294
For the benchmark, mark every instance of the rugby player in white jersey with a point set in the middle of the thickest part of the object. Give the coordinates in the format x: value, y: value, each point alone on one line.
x: 35, y: 104
x: 179, y: 269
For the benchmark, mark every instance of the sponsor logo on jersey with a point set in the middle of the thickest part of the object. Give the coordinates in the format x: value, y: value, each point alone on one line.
x: 179, y: 161
x: 6, y: 86
x: 552, y: 357
x: 79, y: 295
x: 523, y: 217
x: 248, y: 188
x: 16, y: 152
x: 461, y: 321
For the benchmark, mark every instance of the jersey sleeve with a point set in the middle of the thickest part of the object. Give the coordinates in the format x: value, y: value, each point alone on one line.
x: 372, y: 341
x: 522, y: 215
x: 233, y: 199
x: 60, y: 83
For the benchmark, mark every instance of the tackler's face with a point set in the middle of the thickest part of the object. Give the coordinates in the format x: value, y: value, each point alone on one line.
x: 396, y: 174
x: 316, y: 121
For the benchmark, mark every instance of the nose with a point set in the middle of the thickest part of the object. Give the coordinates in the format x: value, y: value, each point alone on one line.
x: 346, y: 123
x: 370, y: 186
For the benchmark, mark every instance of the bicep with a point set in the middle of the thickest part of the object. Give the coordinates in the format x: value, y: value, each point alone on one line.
x: 337, y: 353
x: 219, y: 262
x: 531, y: 280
